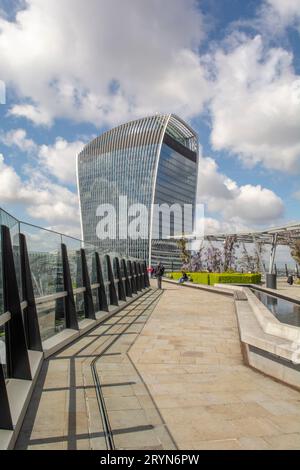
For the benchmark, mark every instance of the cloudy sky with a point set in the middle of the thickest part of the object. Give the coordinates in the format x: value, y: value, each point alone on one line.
x: 231, y: 68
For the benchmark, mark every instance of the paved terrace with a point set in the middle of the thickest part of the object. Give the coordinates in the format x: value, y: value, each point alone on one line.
x: 174, y: 379
x: 291, y: 291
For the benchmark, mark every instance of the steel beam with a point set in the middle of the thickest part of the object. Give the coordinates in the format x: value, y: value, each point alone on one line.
x: 112, y: 288
x: 128, y: 290
x: 18, y: 365
x: 31, y: 324
x: 147, y: 281
x: 141, y: 275
x: 69, y: 301
x: 132, y: 278
x: 136, y: 276
x: 273, y: 253
x: 121, y: 287
x: 5, y: 416
x: 89, y: 310
x: 102, y: 300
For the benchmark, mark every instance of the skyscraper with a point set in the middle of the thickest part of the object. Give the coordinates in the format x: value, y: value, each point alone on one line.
x: 151, y: 161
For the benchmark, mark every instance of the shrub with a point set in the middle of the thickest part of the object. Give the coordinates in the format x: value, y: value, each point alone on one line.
x: 235, y: 278
x: 219, y: 278
x: 199, y: 278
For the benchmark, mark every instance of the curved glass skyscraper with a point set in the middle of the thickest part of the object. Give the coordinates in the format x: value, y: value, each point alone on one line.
x: 152, y: 161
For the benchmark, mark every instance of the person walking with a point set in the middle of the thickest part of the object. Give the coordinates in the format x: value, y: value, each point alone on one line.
x: 159, y: 272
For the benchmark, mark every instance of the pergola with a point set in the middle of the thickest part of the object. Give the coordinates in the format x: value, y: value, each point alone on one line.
x: 284, y: 235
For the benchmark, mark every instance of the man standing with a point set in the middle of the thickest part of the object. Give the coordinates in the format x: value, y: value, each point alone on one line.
x: 159, y: 272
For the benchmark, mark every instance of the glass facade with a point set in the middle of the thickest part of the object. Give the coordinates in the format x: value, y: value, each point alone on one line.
x: 175, y: 184
x: 151, y: 160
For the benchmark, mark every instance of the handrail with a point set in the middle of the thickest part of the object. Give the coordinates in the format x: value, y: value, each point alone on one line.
x: 48, y: 298
x: 4, y: 318
x: 95, y: 286
x: 79, y: 290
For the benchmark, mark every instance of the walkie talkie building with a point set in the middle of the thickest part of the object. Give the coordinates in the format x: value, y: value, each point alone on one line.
x: 151, y: 161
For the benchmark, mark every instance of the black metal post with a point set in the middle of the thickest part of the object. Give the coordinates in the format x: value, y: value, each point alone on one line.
x: 141, y: 275
x: 31, y: 324
x: 89, y: 309
x: 102, y: 300
x: 18, y: 365
x: 112, y: 288
x: 69, y: 301
x: 132, y: 279
x: 128, y: 290
x: 5, y: 416
x: 136, y: 276
x: 147, y: 281
x: 121, y: 288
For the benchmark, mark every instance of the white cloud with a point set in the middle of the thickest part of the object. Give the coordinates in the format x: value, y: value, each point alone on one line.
x: 214, y: 226
x: 104, y: 62
x: 32, y: 112
x: 60, y: 158
x: 256, y: 205
x: 18, y: 138
x: 9, y: 182
x: 279, y: 14
x: 256, y: 106
x: 239, y: 206
x: 43, y: 199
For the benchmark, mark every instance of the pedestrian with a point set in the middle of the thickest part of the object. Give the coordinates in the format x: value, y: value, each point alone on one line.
x: 183, y: 278
x: 290, y: 280
x: 159, y: 272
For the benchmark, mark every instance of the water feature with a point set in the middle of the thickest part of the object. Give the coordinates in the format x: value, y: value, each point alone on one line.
x: 284, y: 310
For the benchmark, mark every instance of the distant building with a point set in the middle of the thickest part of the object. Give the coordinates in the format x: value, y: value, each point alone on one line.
x: 153, y: 160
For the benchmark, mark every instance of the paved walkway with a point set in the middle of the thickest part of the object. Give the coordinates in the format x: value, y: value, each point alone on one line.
x: 190, y: 358
x: 284, y: 288
x: 167, y: 372
x: 65, y: 411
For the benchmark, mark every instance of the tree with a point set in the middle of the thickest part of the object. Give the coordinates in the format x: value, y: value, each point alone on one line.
x: 184, y: 253
x: 295, y: 251
x: 229, y: 252
x: 213, y: 258
x: 195, y: 264
x: 258, y: 256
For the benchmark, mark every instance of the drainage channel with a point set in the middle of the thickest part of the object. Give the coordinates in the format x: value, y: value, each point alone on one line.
x: 152, y: 297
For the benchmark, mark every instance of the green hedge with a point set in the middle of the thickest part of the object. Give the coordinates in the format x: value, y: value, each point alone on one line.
x: 219, y: 278
x: 198, y: 278
x: 234, y: 278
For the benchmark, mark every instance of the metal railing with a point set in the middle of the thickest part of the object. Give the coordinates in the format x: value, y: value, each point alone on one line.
x: 50, y: 282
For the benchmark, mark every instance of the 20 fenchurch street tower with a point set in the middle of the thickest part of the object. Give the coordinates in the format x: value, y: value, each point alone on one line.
x: 152, y: 161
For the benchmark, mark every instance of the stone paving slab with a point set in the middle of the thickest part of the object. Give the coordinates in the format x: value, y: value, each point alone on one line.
x: 64, y: 410
x: 190, y: 358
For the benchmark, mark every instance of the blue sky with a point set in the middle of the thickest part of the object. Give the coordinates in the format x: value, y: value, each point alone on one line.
x: 231, y: 68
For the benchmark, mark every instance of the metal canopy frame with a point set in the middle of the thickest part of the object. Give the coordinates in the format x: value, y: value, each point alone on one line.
x: 285, y: 235
x: 274, y: 236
